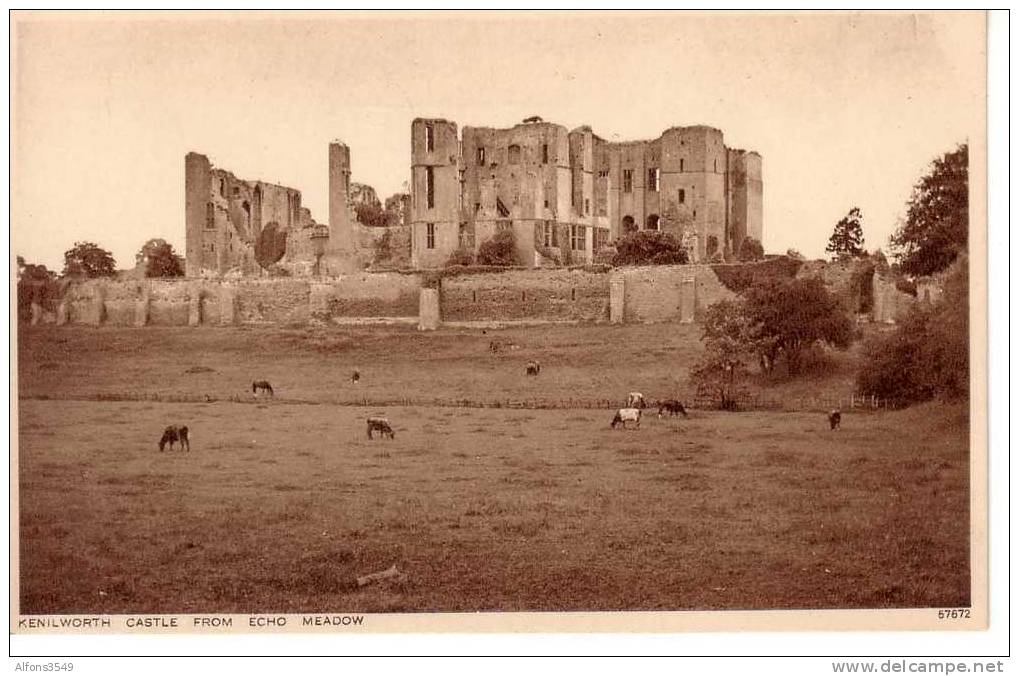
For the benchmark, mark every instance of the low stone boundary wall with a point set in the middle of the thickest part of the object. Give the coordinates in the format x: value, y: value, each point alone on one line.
x: 465, y: 298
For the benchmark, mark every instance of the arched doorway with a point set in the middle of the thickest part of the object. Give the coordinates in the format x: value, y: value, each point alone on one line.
x: 628, y: 224
x: 652, y: 222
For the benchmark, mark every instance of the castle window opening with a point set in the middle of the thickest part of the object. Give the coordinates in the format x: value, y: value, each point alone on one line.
x: 546, y: 204
x: 474, y: 296
x: 695, y: 213
x: 711, y: 245
x: 481, y: 156
x: 627, y: 180
x: 587, y: 207
x: 682, y: 196
x: 681, y: 164
x: 601, y: 238
x: 716, y: 166
x: 514, y: 154
x: 573, y: 293
x: 628, y: 225
x: 430, y: 186
x: 477, y: 207
x: 429, y: 138
x: 652, y: 179
x: 577, y: 236
x: 523, y: 296
x: 222, y: 188
x: 544, y: 153
x: 237, y: 191
x: 210, y: 216
x: 652, y: 222
x: 430, y: 236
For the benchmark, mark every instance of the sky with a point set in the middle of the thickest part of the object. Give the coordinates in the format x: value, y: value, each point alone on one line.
x: 847, y: 110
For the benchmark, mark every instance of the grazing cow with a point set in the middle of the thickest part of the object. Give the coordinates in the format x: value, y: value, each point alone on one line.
x: 174, y: 434
x: 262, y: 385
x: 672, y: 406
x: 380, y: 425
x: 356, y: 376
x: 835, y: 419
x: 635, y: 400
x: 533, y: 368
x: 625, y: 415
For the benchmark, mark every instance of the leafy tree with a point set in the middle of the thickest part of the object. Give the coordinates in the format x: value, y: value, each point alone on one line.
x: 271, y: 245
x: 88, y: 260
x: 729, y: 341
x: 32, y: 272
x: 159, y: 259
x: 373, y: 215
x: 499, y: 249
x: 847, y: 239
x: 649, y: 247
x: 793, y: 315
x: 750, y: 250
x: 937, y: 217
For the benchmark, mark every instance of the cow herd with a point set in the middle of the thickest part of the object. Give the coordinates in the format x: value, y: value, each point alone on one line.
x: 631, y: 413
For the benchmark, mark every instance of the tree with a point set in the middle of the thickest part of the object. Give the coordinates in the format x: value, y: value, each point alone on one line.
x: 271, y: 245
x: 159, y: 259
x: 373, y: 215
x: 847, y: 239
x: 936, y: 229
x: 649, y: 247
x: 499, y: 249
x: 88, y: 260
x: 729, y: 341
x: 792, y: 315
x: 32, y: 272
x: 750, y: 250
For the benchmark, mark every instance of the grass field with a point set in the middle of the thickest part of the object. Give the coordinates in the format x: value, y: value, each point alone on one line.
x: 280, y: 506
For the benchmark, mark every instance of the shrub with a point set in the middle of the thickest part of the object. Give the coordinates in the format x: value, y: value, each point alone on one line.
x: 927, y: 355
x: 462, y: 255
x: 500, y: 249
x: 649, y: 247
x: 750, y: 250
x: 739, y: 278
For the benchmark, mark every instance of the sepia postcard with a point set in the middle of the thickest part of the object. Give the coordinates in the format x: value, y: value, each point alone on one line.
x: 498, y: 322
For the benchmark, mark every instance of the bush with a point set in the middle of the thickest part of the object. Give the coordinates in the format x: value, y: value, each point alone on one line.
x: 750, y: 250
x: 500, y: 250
x: 927, y: 355
x: 739, y: 278
x: 462, y: 255
x: 649, y: 247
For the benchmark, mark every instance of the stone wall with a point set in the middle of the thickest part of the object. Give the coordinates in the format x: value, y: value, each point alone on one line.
x: 669, y: 292
x: 523, y: 295
x: 370, y: 294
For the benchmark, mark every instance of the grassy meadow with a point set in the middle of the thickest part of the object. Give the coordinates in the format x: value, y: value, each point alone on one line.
x: 282, y: 503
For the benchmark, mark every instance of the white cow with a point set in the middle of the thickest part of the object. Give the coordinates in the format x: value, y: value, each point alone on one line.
x: 635, y: 400
x: 625, y: 415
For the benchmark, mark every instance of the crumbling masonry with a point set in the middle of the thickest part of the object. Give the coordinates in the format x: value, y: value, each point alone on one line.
x: 567, y: 194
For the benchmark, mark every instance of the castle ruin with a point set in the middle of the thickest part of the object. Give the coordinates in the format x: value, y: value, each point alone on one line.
x: 568, y: 194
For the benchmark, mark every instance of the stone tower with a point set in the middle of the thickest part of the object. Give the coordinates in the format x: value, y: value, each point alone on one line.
x: 339, y: 256
x: 197, y: 208
x: 435, y: 191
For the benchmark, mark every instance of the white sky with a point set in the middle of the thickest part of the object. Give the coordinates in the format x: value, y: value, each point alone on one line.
x: 846, y: 110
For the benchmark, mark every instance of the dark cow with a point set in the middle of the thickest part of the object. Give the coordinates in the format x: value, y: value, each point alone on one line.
x: 355, y: 377
x: 672, y: 406
x: 835, y: 419
x: 174, y: 434
x: 625, y: 415
x: 380, y: 425
x: 533, y: 368
x: 262, y: 385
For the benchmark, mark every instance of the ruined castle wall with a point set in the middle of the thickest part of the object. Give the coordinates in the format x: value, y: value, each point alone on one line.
x: 169, y: 301
x: 387, y: 294
x: 520, y: 295
x: 275, y: 301
x: 666, y: 293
